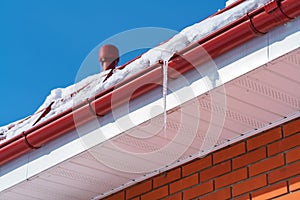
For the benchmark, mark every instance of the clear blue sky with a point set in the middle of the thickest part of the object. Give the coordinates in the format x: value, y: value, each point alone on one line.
x: 43, y: 43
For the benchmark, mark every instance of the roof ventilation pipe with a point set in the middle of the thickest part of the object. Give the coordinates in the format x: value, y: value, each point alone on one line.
x: 109, y: 57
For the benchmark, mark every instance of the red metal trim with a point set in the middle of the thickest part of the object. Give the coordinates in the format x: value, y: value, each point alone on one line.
x: 215, y: 44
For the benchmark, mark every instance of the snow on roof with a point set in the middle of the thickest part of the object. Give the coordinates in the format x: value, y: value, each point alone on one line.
x: 230, y: 2
x: 64, y: 98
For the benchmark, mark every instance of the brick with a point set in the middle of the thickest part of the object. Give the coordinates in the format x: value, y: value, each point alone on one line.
x: 231, y: 178
x: 215, y: 171
x: 229, y: 152
x: 139, y: 189
x: 136, y: 198
x: 249, y: 185
x: 184, y: 183
x: 284, y: 144
x: 291, y: 127
x: 270, y: 192
x: 284, y: 172
x: 294, y: 183
x: 243, y: 197
x: 291, y: 196
x: 177, y: 196
x: 156, y: 194
x: 220, y: 194
x: 197, y: 165
x: 167, y: 177
x: 293, y: 155
x: 116, y: 196
x: 264, y: 138
x: 198, y: 190
x: 266, y: 165
x: 249, y: 158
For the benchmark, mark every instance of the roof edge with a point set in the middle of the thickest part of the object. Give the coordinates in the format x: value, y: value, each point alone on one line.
x: 258, y: 22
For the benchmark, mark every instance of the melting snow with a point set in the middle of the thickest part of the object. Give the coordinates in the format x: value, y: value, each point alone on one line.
x: 65, y: 98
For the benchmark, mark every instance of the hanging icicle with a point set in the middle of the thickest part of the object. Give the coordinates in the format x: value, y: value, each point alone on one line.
x: 165, y: 91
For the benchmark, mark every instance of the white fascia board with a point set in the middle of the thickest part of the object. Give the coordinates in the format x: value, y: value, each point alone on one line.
x: 284, y: 39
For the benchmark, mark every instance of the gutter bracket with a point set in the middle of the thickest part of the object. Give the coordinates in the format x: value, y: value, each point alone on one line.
x: 276, y: 4
x: 92, y: 110
x: 255, y: 30
x: 27, y: 143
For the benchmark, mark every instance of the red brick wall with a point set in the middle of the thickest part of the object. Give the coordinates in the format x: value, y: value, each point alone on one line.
x: 264, y: 166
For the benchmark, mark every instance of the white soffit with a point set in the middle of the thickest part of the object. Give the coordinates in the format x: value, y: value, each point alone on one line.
x: 261, y: 86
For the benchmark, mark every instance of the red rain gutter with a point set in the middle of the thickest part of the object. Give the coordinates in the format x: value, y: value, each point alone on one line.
x: 252, y: 25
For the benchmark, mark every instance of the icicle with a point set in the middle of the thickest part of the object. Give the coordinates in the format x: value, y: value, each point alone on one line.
x: 165, y: 90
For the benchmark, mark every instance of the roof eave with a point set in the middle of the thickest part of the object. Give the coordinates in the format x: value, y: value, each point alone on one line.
x: 246, y: 28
